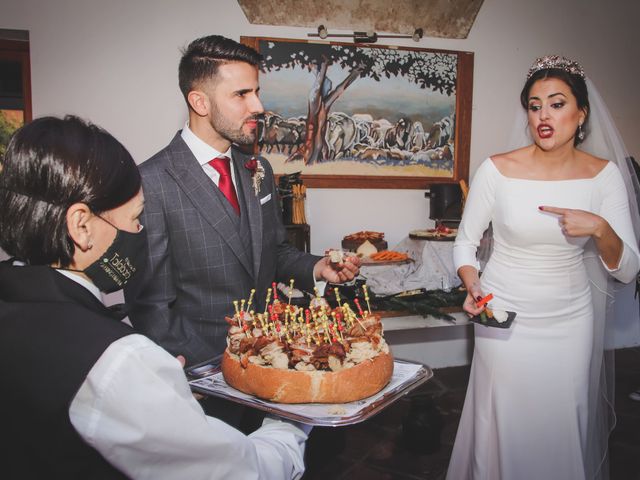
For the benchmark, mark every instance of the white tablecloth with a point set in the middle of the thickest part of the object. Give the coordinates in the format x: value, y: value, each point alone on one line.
x: 432, y: 268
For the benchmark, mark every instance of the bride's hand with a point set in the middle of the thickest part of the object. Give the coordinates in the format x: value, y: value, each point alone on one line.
x: 469, y: 304
x: 577, y: 223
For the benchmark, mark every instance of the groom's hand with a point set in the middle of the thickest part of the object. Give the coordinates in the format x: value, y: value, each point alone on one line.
x: 344, y: 271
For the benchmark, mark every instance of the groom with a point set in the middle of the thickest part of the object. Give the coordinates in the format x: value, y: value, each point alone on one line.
x: 211, y: 213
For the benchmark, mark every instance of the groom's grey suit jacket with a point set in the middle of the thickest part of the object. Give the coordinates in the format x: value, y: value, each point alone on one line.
x: 202, y: 256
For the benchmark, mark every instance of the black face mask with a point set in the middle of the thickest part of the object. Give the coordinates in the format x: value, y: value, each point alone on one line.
x: 120, y: 262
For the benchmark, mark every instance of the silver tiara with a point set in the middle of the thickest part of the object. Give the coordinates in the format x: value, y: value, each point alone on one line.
x: 558, y: 62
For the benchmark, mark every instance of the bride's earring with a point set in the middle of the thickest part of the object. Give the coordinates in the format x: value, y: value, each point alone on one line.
x: 580, y: 132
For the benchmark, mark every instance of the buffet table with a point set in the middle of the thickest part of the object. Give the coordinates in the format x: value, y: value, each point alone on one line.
x: 430, y: 341
x: 430, y: 267
x: 398, y: 321
x: 414, y: 337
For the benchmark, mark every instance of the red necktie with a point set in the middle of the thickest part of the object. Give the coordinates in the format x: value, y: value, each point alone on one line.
x: 225, y: 184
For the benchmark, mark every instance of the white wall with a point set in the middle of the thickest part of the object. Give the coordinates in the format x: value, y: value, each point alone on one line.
x: 116, y: 62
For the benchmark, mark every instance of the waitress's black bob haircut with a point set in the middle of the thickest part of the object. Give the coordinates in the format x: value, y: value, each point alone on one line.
x: 50, y: 164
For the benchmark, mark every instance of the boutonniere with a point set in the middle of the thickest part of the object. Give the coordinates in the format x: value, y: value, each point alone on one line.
x: 257, y: 173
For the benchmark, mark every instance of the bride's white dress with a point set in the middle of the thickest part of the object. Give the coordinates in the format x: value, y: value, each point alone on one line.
x: 525, y: 413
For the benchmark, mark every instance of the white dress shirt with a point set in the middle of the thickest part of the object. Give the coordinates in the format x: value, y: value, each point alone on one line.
x: 204, y: 153
x: 135, y: 408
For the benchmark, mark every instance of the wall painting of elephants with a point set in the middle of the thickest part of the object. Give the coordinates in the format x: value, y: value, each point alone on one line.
x: 364, y: 116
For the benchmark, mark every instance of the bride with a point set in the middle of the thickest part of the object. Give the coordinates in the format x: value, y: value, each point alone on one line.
x: 565, y: 222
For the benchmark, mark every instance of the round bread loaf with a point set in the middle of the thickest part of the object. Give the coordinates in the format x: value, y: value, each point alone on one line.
x: 293, y: 386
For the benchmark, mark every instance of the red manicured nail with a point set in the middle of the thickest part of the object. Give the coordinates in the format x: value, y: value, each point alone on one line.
x: 540, y: 208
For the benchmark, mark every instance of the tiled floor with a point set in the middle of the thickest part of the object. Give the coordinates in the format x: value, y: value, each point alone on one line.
x: 378, y: 449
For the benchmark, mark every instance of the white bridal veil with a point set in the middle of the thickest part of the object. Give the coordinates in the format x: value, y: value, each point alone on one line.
x: 602, y: 140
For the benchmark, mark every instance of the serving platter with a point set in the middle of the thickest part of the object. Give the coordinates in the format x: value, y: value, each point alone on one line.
x: 368, y: 261
x: 433, y: 236
x: 492, y: 322
x: 207, y: 379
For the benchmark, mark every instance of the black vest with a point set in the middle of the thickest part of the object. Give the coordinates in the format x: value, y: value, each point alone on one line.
x: 52, y: 332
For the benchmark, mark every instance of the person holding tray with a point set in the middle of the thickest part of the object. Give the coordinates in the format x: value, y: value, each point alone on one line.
x: 84, y: 396
x: 565, y: 224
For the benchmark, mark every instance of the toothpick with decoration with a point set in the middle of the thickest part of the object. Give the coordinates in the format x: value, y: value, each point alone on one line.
x: 260, y: 317
x: 245, y: 328
x: 325, y: 329
x: 251, y: 294
x: 336, y: 325
x: 238, y: 316
x: 366, y: 297
x: 273, y: 320
x: 254, y: 319
x: 278, y: 329
x: 286, y: 316
x: 337, y: 293
x: 348, y: 314
x: 286, y: 333
x: 291, y: 281
x: 316, y: 325
x: 307, y: 315
x: 334, y: 335
x: 266, y: 303
x: 357, y: 302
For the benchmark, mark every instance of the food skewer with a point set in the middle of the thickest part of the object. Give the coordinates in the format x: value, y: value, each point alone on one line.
x: 366, y: 297
x: 266, y: 304
x: 290, y: 290
x: 237, y: 309
x: 253, y: 291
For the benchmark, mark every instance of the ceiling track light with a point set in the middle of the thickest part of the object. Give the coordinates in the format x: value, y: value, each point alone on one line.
x: 364, y: 37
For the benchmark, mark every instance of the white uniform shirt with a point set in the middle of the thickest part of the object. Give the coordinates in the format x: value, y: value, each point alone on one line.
x: 135, y: 408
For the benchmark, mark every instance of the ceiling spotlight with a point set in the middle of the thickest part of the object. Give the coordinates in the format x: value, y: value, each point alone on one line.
x: 364, y: 37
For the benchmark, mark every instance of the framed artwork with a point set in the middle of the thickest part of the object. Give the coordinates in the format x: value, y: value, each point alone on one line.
x: 364, y: 116
x: 15, y: 89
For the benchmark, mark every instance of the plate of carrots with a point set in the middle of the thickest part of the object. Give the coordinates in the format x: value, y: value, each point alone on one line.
x: 386, y: 257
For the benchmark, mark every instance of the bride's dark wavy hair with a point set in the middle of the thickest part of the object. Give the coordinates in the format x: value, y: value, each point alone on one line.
x: 50, y: 164
x: 576, y: 84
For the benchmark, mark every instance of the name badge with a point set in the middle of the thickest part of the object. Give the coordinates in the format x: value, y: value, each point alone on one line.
x: 264, y: 200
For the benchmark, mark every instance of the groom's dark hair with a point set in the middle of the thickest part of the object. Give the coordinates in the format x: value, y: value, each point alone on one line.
x: 202, y: 58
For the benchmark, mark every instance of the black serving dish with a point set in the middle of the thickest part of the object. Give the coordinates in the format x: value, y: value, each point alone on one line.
x: 492, y: 322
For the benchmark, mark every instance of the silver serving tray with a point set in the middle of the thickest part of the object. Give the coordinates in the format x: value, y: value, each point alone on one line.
x: 206, y: 378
